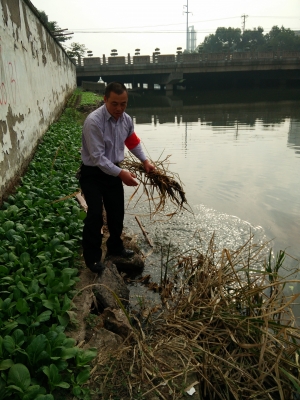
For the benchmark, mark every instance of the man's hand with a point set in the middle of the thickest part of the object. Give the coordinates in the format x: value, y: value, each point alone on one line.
x: 148, y: 166
x: 128, y: 178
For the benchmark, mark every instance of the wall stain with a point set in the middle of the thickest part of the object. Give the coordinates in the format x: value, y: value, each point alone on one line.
x: 3, y: 131
x: 13, y: 157
x: 32, y: 50
x: 42, y: 120
x: 39, y: 27
x: 11, y: 122
x: 51, y: 47
x: 14, y: 10
x: 28, y: 32
x: 13, y: 6
x: 5, y: 14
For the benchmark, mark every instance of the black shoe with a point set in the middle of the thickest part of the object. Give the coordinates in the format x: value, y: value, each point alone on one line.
x: 97, y: 267
x: 124, y: 253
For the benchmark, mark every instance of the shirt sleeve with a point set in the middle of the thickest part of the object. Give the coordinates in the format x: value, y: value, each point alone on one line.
x: 93, y: 142
x: 133, y: 143
x: 138, y: 152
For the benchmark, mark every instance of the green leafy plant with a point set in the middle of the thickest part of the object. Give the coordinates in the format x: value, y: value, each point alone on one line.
x: 89, y: 98
x: 39, y: 242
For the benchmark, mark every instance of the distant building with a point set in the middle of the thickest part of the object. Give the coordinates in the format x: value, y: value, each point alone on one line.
x: 297, y: 33
x: 192, y: 39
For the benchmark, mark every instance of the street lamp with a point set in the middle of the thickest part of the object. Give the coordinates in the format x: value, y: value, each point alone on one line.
x: 155, y: 54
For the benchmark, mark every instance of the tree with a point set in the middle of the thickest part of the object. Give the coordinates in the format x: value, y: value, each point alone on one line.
x: 282, y: 39
x: 223, y: 39
x: 76, y: 50
x: 253, y: 39
x: 231, y: 39
x: 53, y: 27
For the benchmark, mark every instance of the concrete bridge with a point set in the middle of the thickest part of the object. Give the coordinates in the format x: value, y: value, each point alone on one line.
x: 195, y: 70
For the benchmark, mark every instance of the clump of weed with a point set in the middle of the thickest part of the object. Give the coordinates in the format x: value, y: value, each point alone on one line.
x: 226, y: 328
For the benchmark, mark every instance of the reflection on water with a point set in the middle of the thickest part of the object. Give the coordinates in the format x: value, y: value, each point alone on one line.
x: 294, y: 135
x: 234, y: 159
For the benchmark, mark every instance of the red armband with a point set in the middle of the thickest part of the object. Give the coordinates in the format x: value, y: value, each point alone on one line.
x: 132, y: 141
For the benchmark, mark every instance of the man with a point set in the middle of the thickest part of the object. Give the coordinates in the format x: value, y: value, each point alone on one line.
x: 105, y: 133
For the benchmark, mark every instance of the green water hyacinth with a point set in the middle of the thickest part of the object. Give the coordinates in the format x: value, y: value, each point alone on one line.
x: 39, y: 243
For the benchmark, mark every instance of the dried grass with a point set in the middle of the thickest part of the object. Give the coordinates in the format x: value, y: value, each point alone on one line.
x: 160, y: 185
x: 226, y: 328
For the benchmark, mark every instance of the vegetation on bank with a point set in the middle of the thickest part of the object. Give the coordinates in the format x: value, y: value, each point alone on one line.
x: 233, y: 39
x: 224, y: 330
x: 84, y: 102
x: 90, y: 99
x: 39, y: 242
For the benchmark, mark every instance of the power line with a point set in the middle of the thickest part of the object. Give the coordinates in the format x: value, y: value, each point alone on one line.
x: 179, y: 23
x: 196, y: 22
x: 159, y: 32
x: 184, y: 31
x: 270, y: 16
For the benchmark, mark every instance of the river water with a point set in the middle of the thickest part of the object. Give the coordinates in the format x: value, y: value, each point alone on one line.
x: 238, y: 156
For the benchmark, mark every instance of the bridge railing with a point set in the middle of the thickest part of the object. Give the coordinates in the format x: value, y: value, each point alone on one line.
x: 185, y: 58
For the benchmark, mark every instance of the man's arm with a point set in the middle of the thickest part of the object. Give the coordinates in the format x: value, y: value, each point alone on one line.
x: 134, y: 146
x: 133, y: 143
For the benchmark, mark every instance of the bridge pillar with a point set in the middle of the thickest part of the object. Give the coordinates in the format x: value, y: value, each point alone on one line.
x: 134, y: 85
x: 169, y: 88
x: 150, y: 86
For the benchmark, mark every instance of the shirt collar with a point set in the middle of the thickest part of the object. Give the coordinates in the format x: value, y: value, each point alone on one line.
x: 108, y: 116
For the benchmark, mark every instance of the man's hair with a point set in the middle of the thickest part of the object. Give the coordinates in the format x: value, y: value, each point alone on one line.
x: 116, y: 87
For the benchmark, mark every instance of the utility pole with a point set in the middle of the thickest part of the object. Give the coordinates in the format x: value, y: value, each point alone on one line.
x: 244, y: 21
x: 187, y: 24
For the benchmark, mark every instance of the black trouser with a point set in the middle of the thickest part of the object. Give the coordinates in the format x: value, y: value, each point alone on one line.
x: 98, y: 189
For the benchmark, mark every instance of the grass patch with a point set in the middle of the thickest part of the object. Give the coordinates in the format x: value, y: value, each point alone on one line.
x: 89, y: 98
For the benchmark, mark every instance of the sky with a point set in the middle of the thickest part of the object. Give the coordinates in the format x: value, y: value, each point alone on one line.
x: 147, y: 25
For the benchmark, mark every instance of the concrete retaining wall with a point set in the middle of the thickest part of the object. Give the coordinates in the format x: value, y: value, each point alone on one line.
x: 36, y: 78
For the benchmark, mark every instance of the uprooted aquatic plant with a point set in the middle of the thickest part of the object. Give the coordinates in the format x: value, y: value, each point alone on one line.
x: 160, y: 185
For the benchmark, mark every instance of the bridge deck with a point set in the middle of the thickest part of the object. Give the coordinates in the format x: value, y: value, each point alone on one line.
x: 170, y: 70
